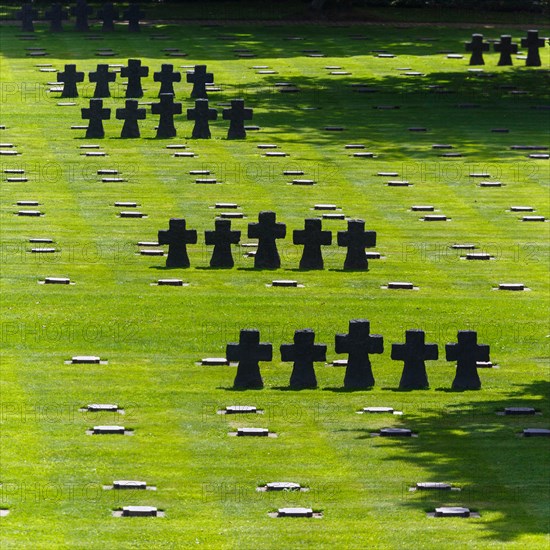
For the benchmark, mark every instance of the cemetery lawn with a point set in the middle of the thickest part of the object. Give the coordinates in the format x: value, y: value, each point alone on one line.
x: 152, y: 338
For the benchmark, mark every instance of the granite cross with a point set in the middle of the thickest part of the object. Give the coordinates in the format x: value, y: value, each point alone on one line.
x: 312, y: 237
x: 133, y: 14
x: 532, y: 42
x: 134, y: 72
x: 96, y: 114
x: 70, y: 77
x: 177, y: 237
x: 166, y: 108
x: 267, y: 230
x: 102, y: 76
x: 26, y: 14
x: 467, y: 352
x: 130, y: 114
x: 199, y: 77
x: 166, y: 76
x: 201, y: 114
x: 237, y: 114
x: 506, y: 48
x: 55, y: 15
x: 356, y: 239
x: 248, y: 352
x: 108, y: 14
x: 81, y: 12
x: 477, y: 47
x: 304, y: 352
x: 222, y: 238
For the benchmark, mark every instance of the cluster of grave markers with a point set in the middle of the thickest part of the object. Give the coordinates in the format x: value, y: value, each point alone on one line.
x: 56, y: 14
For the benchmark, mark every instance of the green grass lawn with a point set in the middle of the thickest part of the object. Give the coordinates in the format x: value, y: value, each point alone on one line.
x: 52, y: 473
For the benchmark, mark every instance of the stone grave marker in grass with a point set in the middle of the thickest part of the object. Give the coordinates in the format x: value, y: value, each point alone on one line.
x: 170, y: 282
x: 253, y: 432
x: 138, y: 511
x: 86, y: 360
x: 201, y: 114
x: 237, y: 114
x: 518, y: 411
x: 267, y: 230
x: 453, y: 512
x: 133, y: 14
x: 131, y: 485
x: 414, y: 352
x: 222, y: 238
x: 55, y: 15
x: 96, y: 114
x: 70, y: 77
x: 177, y: 237
x: 395, y: 432
x: 533, y: 219
x: 108, y: 14
x: 200, y: 78
x: 134, y: 72
x: 304, y: 352
x: 167, y: 76
x: 81, y: 11
x: 536, y: 432
x: 356, y: 239
x: 248, y: 352
x: 102, y: 76
x: 109, y: 430
x: 312, y: 237
x: 131, y: 113
x: 359, y: 344
x: 506, y: 48
x: 281, y: 486
x: 26, y: 15
x: 295, y: 512
x: 514, y: 287
x: 466, y: 352
x: 532, y: 42
x: 521, y: 209
x: 166, y: 108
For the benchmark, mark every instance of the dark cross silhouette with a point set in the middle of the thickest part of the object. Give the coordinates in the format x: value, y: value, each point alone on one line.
x: 177, y: 237
x: 108, y: 14
x: 356, y: 239
x: 477, y: 47
x: 312, y: 237
x: 102, y: 77
x: 166, y: 108
x: 267, y: 231
x: 26, y: 14
x: 532, y: 43
x: 248, y: 352
x: 201, y: 114
x: 130, y: 114
x: 358, y: 344
x: 81, y: 12
x: 70, y: 77
x: 166, y: 76
x: 303, y: 353
x: 222, y: 238
x: 414, y: 352
x: 133, y: 14
x: 134, y: 73
x: 96, y: 114
x: 55, y: 16
x: 199, y: 77
x: 237, y: 114
x: 506, y: 48
x: 466, y: 353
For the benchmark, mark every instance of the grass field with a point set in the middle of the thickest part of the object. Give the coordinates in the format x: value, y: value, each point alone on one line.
x: 52, y: 473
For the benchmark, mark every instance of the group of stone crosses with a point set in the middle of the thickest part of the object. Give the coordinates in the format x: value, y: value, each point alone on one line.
x: 56, y: 14
x: 166, y: 108
x: 359, y: 344
x: 506, y: 48
x: 267, y: 230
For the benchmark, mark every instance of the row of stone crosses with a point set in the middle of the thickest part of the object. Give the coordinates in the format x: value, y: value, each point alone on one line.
x: 358, y: 344
x: 267, y: 230
x: 56, y: 14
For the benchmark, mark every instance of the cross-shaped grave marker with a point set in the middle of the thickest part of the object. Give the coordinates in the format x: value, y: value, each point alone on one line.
x: 177, y: 237
x: 222, y: 237
x: 108, y: 14
x: 96, y: 114
x: 477, y: 47
x: 356, y: 239
x: 466, y: 352
x: 312, y: 237
x: 26, y: 14
x: 304, y: 352
x: 532, y: 42
x: 237, y: 114
x: 166, y: 108
x: 133, y: 14
x: 81, y: 12
x: 166, y: 76
x: 130, y: 114
x: 201, y: 114
x: 414, y: 352
x: 506, y: 48
x: 102, y: 76
x: 267, y: 230
x: 55, y: 15
x: 248, y: 352
x: 199, y: 78
x: 359, y: 344
x: 134, y: 72
x: 70, y: 77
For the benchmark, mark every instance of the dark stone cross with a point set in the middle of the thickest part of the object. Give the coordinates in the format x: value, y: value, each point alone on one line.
x: 166, y: 108
x: 532, y: 42
x: 199, y: 77
x: 248, y: 352
x: 55, y: 16
x: 356, y: 239
x: 96, y: 114
x: 414, y: 352
x: 237, y: 114
x: 477, y: 47
x: 506, y: 48
x: 201, y: 114
x: 102, y: 77
x: 177, y: 237
x: 130, y: 114
x: 466, y: 353
x: 108, y: 14
x: 133, y: 14
x: 166, y: 76
x: 304, y: 352
x: 81, y: 12
x: 26, y: 14
x: 134, y: 73
x: 312, y: 237
x: 358, y: 344
x: 70, y: 77
x: 267, y: 230
x: 222, y: 238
